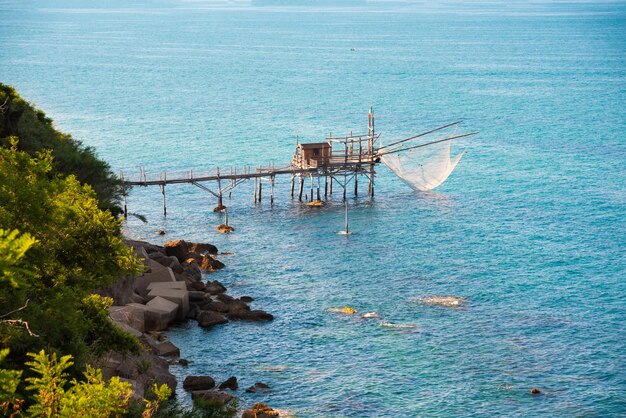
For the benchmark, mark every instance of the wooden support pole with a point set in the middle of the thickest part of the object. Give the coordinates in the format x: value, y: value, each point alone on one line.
x: 293, y: 184
x: 256, y: 180
x: 311, y: 188
x: 356, y: 183
x: 260, y: 188
x: 125, y: 208
x: 325, y: 187
x: 345, y: 187
x: 331, y: 185
x: 272, y: 193
x: 164, y: 205
x: 301, y: 187
x: 318, y: 189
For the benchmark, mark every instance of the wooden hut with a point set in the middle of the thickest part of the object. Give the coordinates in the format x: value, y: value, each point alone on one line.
x: 313, y: 155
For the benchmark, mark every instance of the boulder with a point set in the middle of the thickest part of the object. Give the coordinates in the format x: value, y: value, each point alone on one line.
x: 192, y: 271
x: 220, y: 398
x: 223, y: 297
x: 214, y: 287
x: 165, y: 348
x: 246, y: 299
x: 200, y: 248
x: 167, y: 285
x: 192, y: 383
x: 196, y: 296
x: 215, y: 306
x: 207, y: 319
x: 260, y: 410
x: 178, y: 249
x: 259, y: 387
x: 160, y: 313
x: 230, y: 383
x: 173, y: 263
x: 210, y: 264
x: 256, y: 315
x: 196, y: 286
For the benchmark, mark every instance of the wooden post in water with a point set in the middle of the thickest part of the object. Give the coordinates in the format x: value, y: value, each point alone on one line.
x: 301, y: 187
x: 356, y: 183
x: 325, y: 187
x: 272, y: 192
x: 293, y: 184
x: 311, y: 176
x: 318, y: 188
x: 331, y: 185
x: 256, y: 180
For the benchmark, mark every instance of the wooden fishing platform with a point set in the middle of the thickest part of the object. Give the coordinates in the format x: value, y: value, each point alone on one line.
x: 337, y: 160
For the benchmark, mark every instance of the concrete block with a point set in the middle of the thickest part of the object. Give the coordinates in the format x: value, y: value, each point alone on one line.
x: 157, y: 273
x: 167, y: 285
x: 130, y: 315
x: 179, y: 297
x: 168, y: 308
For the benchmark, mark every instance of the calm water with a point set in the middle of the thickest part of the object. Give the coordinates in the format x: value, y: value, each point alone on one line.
x: 530, y: 228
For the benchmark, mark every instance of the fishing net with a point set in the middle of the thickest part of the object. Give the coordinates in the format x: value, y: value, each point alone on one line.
x: 423, y: 168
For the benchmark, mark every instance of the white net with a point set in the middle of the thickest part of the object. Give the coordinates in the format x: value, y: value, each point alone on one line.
x: 423, y: 168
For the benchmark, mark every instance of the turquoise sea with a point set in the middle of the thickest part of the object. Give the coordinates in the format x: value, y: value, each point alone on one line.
x: 530, y: 228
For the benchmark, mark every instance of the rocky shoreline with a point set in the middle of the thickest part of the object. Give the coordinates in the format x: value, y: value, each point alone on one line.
x: 171, y: 291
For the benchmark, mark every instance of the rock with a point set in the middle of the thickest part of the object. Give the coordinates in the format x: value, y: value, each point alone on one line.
x: 136, y: 298
x: 535, y: 391
x: 258, y: 387
x: 197, y: 286
x: 173, y: 263
x: 246, y: 299
x: 166, y: 348
x: 178, y: 296
x: 196, y: 296
x: 219, y: 208
x: 192, y: 271
x: 157, y: 273
x: 178, y: 249
x: 214, y: 287
x: 230, y: 383
x: 208, y: 319
x: 192, y: 383
x: 225, y: 298
x: 160, y: 232
x: 212, y: 395
x: 215, y: 306
x: 211, y: 264
x: 448, y: 301
x: 260, y: 410
x: 256, y: 315
x: 131, y: 316
x: 237, y: 306
x: 200, y: 248
x: 224, y: 229
x: 182, y: 362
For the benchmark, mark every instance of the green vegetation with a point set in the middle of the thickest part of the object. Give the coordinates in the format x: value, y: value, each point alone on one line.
x: 36, y: 132
x: 59, y: 241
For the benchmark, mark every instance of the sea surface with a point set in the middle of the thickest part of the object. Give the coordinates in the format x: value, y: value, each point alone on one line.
x: 530, y: 228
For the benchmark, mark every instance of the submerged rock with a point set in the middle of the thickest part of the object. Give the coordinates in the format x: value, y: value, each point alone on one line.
x: 535, y: 391
x: 258, y: 387
x: 211, y: 264
x: 220, y: 398
x: 260, y: 410
x: 370, y: 315
x: 345, y: 310
x: 449, y: 301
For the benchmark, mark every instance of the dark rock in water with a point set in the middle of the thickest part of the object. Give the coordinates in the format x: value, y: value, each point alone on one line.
x: 225, y: 298
x: 215, y: 306
x: 260, y: 410
x: 197, y: 286
x: 215, y: 287
x: 196, y: 296
x: 198, y: 383
x: 178, y: 249
x: 200, y: 248
x: 173, y: 263
x: 230, y: 383
x: 259, y: 387
x: 256, y: 315
x: 535, y: 391
x: 182, y: 362
x: 246, y: 299
x: 160, y: 232
x: 211, y: 264
x: 236, y: 306
x: 219, y: 208
x: 212, y: 395
x: 192, y: 271
x: 208, y: 319
x: 225, y: 229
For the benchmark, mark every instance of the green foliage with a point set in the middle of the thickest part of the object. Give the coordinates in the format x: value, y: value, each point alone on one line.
x: 78, y: 249
x: 12, y: 250
x: 36, y: 133
x: 9, y: 380
x: 89, y: 398
x: 160, y: 394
